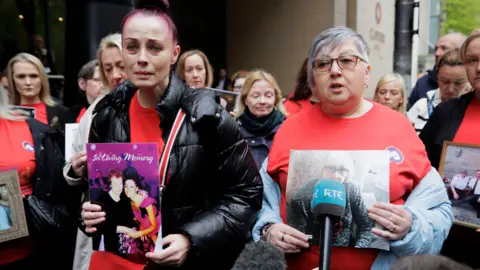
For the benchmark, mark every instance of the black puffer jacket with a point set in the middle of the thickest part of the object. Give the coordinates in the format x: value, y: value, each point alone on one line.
x: 215, y: 189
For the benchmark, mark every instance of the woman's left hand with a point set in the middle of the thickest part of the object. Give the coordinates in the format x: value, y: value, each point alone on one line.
x: 175, y: 253
x: 394, y: 218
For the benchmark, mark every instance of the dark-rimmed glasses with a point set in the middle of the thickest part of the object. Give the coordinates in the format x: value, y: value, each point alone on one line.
x: 344, y: 62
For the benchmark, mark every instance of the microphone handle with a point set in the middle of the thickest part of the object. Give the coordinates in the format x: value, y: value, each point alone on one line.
x: 325, y: 243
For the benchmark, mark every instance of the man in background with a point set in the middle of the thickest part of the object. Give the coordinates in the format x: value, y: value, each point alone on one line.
x: 429, y: 81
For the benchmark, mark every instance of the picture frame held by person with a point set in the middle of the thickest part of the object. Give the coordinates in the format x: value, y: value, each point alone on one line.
x: 228, y: 99
x: 13, y: 222
x: 460, y: 170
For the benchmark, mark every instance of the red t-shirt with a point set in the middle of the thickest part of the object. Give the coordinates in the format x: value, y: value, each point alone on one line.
x: 145, y: 124
x: 40, y: 111
x: 17, y: 152
x: 293, y: 107
x: 468, y: 132
x: 379, y: 129
x: 80, y: 115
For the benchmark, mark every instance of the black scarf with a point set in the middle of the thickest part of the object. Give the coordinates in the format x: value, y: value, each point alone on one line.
x: 260, y: 125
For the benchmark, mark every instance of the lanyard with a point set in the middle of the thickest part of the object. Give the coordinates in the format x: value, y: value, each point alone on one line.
x: 165, y: 157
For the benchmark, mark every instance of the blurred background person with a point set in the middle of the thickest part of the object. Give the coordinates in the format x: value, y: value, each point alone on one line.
x: 301, y: 98
x: 4, y: 80
x: 452, y: 83
x: 236, y: 85
x: 90, y: 84
x: 261, y: 113
x: 195, y: 70
x: 391, y: 92
x: 429, y: 81
x: 458, y: 120
x: 223, y: 81
x: 29, y: 87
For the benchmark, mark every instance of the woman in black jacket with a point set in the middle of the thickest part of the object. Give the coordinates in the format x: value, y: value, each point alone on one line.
x: 214, y: 190
x: 31, y: 147
x: 457, y: 120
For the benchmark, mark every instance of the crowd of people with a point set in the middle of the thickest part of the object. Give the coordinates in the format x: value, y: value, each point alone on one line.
x: 228, y: 170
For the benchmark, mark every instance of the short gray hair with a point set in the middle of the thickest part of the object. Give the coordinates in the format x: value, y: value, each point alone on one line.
x: 328, y: 40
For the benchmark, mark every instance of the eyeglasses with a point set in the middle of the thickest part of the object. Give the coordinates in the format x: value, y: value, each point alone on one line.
x: 342, y: 171
x: 344, y: 62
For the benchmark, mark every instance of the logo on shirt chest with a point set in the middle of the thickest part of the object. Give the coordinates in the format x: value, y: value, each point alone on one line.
x: 396, y: 156
x: 28, y: 146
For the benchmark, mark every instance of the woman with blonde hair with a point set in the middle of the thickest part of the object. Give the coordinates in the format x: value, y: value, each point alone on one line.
x: 391, y: 92
x: 195, y: 70
x: 260, y: 113
x: 452, y: 83
x: 29, y: 88
x: 39, y: 169
x: 112, y: 73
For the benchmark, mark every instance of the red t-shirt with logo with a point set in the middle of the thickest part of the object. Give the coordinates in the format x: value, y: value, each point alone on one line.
x: 40, y: 111
x: 17, y: 152
x: 468, y: 132
x: 379, y: 129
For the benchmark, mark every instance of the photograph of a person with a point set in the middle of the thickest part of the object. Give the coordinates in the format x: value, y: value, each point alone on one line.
x: 5, y: 211
x: 227, y: 98
x: 365, y: 177
x: 460, y: 170
x: 124, y: 181
x: 13, y: 222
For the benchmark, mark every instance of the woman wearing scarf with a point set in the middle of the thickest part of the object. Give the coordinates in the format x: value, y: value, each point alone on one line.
x: 261, y: 113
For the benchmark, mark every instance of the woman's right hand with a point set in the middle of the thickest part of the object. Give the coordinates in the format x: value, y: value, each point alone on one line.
x: 92, y: 215
x: 286, y: 238
x: 79, y: 161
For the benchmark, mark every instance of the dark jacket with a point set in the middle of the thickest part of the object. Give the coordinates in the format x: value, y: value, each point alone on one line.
x: 63, y: 114
x: 426, y: 83
x: 259, y: 145
x: 215, y: 191
x: 50, y: 186
x: 443, y: 125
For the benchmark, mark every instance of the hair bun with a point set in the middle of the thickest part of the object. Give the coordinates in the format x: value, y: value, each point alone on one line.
x: 151, y: 4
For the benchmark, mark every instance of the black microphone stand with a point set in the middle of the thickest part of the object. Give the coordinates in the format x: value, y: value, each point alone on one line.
x: 325, y: 243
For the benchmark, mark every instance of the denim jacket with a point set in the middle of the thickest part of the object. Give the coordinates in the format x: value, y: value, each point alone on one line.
x: 428, y: 203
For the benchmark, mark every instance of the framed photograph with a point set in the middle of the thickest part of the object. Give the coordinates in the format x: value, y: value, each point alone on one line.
x: 13, y: 223
x: 460, y: 170
x: 228, y: 99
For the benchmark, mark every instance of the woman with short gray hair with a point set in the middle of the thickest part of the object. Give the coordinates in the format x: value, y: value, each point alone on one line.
x: 418, y: 217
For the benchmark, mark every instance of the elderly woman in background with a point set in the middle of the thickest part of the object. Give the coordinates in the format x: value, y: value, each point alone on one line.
x: 391, y: 92
x: 261, y: 113
x: 419, y: 216
x: 457, y: 120
x: 452, y: 83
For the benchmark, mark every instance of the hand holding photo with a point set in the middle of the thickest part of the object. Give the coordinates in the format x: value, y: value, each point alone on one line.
x: 13, y: 222
x: 123, y: 180
x: 343, y: 185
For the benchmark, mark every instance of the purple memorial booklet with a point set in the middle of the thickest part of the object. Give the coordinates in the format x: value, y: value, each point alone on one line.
x: 123, y: 179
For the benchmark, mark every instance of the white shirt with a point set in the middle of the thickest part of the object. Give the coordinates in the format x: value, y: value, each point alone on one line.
x: 462, y: 183
x: 419, y: 114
